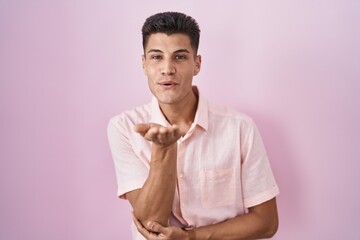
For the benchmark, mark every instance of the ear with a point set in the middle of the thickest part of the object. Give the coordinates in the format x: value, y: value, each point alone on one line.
x: 143, y: 60
x: 197, y: 64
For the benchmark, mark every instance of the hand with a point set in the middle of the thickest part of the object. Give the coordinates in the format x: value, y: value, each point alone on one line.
x: 159, y: 232
x: 163, y: 136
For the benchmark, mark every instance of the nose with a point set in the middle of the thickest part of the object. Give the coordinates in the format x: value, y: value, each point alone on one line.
x: 168, y: 68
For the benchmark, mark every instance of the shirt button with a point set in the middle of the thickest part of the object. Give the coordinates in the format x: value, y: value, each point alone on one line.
x: 181, y: 176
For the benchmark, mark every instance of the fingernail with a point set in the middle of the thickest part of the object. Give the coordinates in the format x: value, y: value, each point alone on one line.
x: 149, y: 224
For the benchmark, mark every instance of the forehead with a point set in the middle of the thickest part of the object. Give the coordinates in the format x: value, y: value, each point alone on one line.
x: 169, y: 43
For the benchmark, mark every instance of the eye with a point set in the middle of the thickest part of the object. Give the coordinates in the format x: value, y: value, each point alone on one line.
x: 180, y: 57
x: 156, y: 57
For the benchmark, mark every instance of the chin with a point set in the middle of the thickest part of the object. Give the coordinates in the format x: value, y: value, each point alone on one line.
x: 169, y: 102
x: 166, y: 99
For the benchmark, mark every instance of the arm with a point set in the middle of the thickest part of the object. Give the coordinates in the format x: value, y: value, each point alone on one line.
x: 154, y: 200
x: 260, y: 222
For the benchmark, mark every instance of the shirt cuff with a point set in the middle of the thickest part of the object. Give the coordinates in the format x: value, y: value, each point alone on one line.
x: 261, y: 197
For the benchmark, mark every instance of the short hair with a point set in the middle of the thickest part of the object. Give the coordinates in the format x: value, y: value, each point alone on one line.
x: 170, y: 23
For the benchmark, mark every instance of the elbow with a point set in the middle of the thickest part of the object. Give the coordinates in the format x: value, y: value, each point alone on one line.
x: 141, y: 218
x: 271, y: 232
x: 271, y: 228
x: 141, y: 215
x: 145, y: 217
x: 138, y: 216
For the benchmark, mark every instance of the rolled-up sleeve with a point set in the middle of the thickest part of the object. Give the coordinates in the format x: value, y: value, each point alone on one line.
x: 258, y: 182
x: 131, y: 172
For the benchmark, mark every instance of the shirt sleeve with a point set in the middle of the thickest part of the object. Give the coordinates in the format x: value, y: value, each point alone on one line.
x: 131, y: 172
x: 258, y: 181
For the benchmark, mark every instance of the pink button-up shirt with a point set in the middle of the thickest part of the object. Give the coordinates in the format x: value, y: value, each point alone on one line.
x: 222, y: 166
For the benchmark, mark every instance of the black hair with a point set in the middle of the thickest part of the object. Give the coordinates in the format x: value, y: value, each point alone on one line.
x: 170, y: 23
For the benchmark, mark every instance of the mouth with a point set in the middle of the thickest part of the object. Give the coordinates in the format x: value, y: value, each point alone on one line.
x: 167, y: 84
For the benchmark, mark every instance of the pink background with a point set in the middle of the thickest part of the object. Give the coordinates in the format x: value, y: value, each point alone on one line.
x: 67, y: 66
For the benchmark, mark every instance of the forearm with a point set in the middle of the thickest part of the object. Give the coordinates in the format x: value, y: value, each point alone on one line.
x: 246, y: 227
x: 259, y: 223
x: 155, y: 199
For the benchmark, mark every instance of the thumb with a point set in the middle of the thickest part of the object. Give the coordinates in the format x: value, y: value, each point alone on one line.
x: 156, y: 227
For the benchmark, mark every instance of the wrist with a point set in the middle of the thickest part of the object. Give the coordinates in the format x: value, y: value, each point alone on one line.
x: 161, y: 153
x: 164, y: 147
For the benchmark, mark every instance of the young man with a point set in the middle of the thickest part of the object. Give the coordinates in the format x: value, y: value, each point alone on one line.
x: 190, y: 169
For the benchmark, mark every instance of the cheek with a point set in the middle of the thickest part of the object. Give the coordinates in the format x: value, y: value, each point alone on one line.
x: 192, y: 72
x: 153, y: 69
x: 149, y: 72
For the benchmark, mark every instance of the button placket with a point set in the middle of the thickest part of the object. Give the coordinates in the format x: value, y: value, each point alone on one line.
x: 181, y: 186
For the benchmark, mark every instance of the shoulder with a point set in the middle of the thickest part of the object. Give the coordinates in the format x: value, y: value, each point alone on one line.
x: 129, y: 118
x: 218, y: 112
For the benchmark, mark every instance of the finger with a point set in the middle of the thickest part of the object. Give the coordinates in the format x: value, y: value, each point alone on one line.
x: 142, y: 128
x: 156, y: 227
x: 162, y: 135
x: 175, y: 132
x: 138, y: 224
x: 152, y: 134
x: 174, y: 126
x: 141, y: 228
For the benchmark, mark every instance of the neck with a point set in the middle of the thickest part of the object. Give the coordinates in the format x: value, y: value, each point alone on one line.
x: 182, y: 113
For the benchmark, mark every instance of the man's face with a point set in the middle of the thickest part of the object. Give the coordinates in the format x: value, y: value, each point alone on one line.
x: 170, y: 64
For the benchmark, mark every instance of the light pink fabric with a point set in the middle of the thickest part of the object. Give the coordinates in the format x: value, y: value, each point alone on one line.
x: 222, y: 164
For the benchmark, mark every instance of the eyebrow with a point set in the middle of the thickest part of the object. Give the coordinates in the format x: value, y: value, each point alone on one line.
x: 182, y: 50
x: 154, y: 50
x: 177, y: 51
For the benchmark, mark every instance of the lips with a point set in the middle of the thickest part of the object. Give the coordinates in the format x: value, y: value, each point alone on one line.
x: 167, y: 84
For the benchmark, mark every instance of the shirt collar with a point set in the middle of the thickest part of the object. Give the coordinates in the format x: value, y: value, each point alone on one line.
x: 202, y: 112
x: 156, y: 114
x: 201, y: 116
